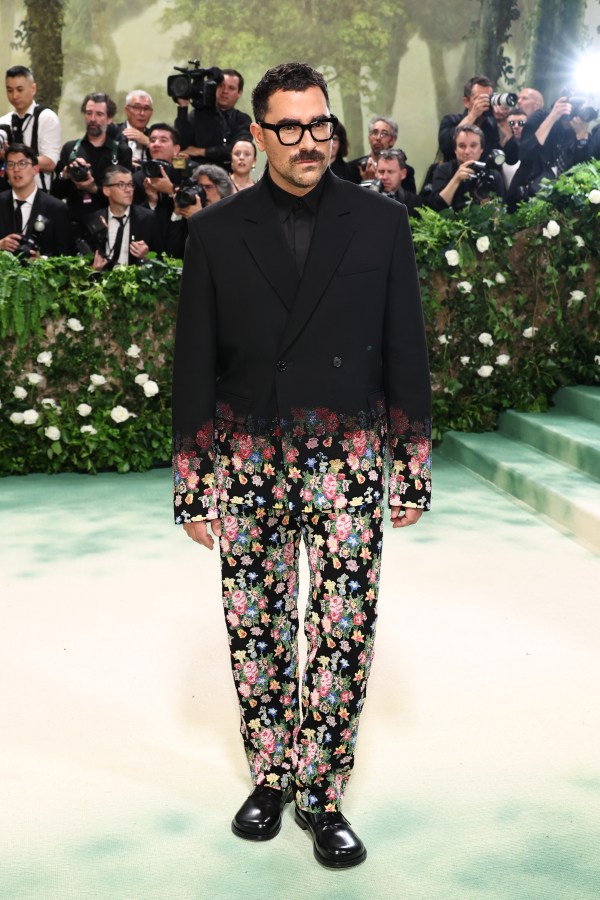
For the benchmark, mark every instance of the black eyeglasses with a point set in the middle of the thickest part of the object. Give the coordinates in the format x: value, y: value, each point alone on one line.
x: 518, y: 124
x: 290, y: 133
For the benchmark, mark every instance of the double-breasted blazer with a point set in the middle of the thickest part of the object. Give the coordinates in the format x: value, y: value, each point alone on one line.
x: 287, y: 388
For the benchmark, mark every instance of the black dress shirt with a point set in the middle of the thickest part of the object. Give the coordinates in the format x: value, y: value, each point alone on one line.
x: 297, y: 216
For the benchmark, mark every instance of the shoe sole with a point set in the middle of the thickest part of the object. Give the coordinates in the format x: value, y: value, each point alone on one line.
x: 268, y: 836
x: 329, y: 863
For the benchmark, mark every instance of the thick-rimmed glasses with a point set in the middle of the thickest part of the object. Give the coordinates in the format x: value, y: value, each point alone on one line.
x: 290, y: 133
x: 122, y: 185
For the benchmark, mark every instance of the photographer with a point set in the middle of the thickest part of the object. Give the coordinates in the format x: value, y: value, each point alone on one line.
x: 83, y: 162
x: 492, y: 119
x: 31, y: 222
x: 138, y: 111
x: 209, y: 130
x: 392, y: 172
x: 465, y: 178
x: 209, y: 185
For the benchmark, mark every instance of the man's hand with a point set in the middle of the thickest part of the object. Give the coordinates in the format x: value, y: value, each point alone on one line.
x: 479, y: 108
x: 10, y: 242
x: 187, y: 211
x: 139, y: 249
x: 99, y: 261
x: 198, y: 532
x: 162, y: 185
x: 134, y: 134
x: 369, y: 171
x: 405, y: 515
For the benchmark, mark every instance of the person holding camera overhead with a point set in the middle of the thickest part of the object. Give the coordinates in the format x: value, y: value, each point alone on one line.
x: 465, y: 178
x: 31, y: 222
x: 83, y: 162
x: 489, y: 112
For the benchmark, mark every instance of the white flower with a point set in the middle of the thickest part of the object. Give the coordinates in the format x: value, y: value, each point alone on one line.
x: 575, y: 297
x: 74, y: 324
x: 553, y: 347
x: 52, y: 433
x: 530, y: 332
x: 552, y: 229
x: 465, y: 286
x: 133, y: 351
x: 443, y: 339
x: 33, y: 378
x: 84, y: 409
x: 485, y: 339
x: 452, y: 257
x: 16, y: 418
x: 30, y: 417
x: 142, y: 378
x: 579, y: 240
x: 151, y: 388
x: 464, y: 360
x: 500, y: 279
x: 597, y: 360
x: 483, y: 244
x: 45, y: 358
x: 19, y: 393
x: 51, y: 403
x: 485, y: 371
x: 88, y: 429
x: 594, y: 196
x: 119, y: 414
x: 503, y: 359
x: 97, y: 380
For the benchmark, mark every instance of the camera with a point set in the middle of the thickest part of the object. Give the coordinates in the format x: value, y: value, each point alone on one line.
x: 507, y: 98
x: 5, y: 136
x: 373, y: 184
x: 27, y: 245
x: 96, y: 231
x: 483, y: 170
x: 195, y: 84
x: 578, y: 108
x: 152, y: 167
x: 188, y: 194
x: 77, y: 172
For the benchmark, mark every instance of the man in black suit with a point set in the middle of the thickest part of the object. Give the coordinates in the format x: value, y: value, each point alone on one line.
x: 131, y: 231
x: 27, y: 212
x: 300, y: 364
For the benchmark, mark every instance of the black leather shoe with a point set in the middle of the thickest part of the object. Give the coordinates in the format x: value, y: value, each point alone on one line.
x: 334, y: 843
x: 259, y: 818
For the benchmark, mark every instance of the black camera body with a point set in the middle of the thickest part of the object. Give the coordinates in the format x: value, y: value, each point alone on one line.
x: 77, y: 172
x: 483, y: 170
x: 151, y: 168
x: 195, y: 84
x: 188, y: 193
x: 96, y: 231
x: 579, y: 110
x: 29, y: 243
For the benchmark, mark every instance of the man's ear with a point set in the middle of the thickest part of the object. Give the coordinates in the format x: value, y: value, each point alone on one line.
x: 105, y: 191
x: 403, y: 174
x: 257, y: 133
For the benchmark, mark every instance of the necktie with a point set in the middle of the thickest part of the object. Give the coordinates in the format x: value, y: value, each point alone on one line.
x: 302, y: 233
x: 116, y: 250
x: 18, y: 126
x: 18, y: 216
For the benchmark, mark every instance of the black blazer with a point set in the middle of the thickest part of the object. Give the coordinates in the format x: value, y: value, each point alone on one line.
x: 259, y: 348
x: 56, y: 239
x: 145, y: 226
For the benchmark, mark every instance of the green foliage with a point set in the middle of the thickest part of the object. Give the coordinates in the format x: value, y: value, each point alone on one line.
x: 515, y: 318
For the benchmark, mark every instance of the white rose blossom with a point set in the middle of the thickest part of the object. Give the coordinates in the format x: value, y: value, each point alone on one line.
x: 84, y: 409
x: 575, y: 297
x: 50, y: 403
x: 552, y: 229
x: 30, y: 417
x: 597, y: 360
x: 133, y: 351
x: 452, y: 257
x: 119, y: 414
x: 442, y: 339
x: 19, y: 393
x: 483, y: 243
x: 485, y: 371
x: 579, y: 240
x: 52, y: 433
x: 500, y: 279
x: 88, y: 429
x: 97, y: 380
x: 486, y: 339
x: 142, y: 378
x: 33, y: 378
x: 465, y: 286
x: 594, y: 196
x: 530, y: 332
x: 45, y: 358
x: 465, y: 360
x: 16, y: 418
x: 502, y: 359
x: 74, y: 324
x: 151, y: 389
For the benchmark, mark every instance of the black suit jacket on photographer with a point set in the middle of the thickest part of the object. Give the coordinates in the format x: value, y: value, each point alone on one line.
x: 408, y: 182
x: 164, y: 205
x: 490, y: 132
x: 465, y: 191
x: 56, y: 238
x: 80, y: 204
x: 215, y: 130
x: 560, y: 151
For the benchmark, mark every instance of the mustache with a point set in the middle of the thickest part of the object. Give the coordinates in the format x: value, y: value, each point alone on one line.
x: 308, y: 156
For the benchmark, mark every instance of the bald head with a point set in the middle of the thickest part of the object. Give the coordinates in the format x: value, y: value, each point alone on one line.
x: 530, y: 100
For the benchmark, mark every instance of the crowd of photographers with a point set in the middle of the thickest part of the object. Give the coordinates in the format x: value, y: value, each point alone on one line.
x: 126, y: 189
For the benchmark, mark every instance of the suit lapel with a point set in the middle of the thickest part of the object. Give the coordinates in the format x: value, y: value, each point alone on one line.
x: 36, y: 210
x: 266, y: 242
x: 332, y: 234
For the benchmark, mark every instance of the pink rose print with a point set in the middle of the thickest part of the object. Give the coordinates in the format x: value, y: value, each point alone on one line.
x: 311, y: 750
x: 245, y: 445
x: 326, y: 682
x: 359, y: 439
x: 336, y: 608
x: 245, y: 689
x: 288, y: 554
x: 239, y: 602
x: 192, y: 481
x: 353, y: 461
x: 267, y: 739
x: 233, y: 619
x: 329, y: 485
x: 332, y: 544
x: 343, y: 526
x: 251, y: 671
x: 231, y: 527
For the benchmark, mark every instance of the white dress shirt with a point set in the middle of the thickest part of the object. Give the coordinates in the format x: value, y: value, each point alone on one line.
x: 48, y: 137
x: 25, y: 208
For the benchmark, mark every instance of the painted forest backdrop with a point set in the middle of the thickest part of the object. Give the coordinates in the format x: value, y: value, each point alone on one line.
x: 404, y: 57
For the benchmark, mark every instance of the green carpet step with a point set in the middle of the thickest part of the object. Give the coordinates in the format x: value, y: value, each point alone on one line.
x: 568, y: 497
x: 582, y: 400
x: 568, y: 438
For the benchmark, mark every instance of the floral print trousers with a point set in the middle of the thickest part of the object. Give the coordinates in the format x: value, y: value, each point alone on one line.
x: 301, y: 735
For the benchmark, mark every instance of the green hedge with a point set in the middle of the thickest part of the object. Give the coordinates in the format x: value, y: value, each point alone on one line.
x: 511, y: 304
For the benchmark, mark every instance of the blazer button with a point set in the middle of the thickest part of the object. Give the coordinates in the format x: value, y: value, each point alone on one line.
x: 337, y: 361
x: 282, y: 365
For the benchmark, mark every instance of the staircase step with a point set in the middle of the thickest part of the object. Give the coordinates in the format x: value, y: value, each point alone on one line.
x: 568, y: 497
x: 566, y: 437
x: 582, y: 400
